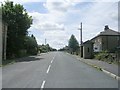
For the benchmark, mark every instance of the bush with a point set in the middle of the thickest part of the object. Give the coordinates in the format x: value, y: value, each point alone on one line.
x: 104, y: 55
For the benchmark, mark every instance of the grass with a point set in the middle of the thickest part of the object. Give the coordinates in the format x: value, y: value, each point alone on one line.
x: 7, y: 62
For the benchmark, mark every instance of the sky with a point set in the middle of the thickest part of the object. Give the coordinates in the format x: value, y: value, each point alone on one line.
x: 57, y: 20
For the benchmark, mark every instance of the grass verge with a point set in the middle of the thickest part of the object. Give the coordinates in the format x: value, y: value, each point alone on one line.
x: 7, y: 62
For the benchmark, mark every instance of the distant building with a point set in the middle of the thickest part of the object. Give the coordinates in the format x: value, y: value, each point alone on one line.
x: 107, y: 40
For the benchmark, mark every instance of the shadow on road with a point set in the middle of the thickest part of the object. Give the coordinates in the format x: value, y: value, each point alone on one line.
x: 28, y: 59
x: 23, y: 59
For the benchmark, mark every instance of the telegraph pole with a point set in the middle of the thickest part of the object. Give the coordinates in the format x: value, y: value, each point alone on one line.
x: 81, y: 43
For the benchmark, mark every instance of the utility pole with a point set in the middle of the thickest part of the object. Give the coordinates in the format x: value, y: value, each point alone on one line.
x: 81, y: 43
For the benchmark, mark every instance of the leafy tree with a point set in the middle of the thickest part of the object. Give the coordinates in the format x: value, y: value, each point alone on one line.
x: 46, y: 48
x: 73, y: 44
x: 31, y: 45
x: 18, y: 22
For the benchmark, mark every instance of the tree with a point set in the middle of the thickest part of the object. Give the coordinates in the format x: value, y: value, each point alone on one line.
x: 18, y: 22
x: 73, y: 44
x: 31, y: 45
x: 45, y: 48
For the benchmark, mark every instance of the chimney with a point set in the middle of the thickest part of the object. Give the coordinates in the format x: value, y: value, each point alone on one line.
x: 106, y: 27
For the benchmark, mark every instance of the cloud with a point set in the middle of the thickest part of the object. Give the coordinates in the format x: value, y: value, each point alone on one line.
x: 56, y: 39
x: 46, y: 21
x: 68, y: 1
x: 49, y: 26
x: 58, y: 6
x: 24, y: 1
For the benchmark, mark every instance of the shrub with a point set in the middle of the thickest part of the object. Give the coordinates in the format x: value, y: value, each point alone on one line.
x: 104, y: 55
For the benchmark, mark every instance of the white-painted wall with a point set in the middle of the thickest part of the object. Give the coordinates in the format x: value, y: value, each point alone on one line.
x: 97, y: 46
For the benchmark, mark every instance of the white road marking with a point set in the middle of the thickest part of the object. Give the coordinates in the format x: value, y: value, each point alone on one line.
x: 51, y: 61
x: 50, y: 65
x: 48, y: 69
x: 43, y: 84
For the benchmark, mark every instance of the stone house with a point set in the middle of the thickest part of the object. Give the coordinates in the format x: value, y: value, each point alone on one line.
x: 107, y: 40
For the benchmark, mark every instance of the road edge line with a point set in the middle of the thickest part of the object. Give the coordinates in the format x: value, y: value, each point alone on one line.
x: 103, y: 70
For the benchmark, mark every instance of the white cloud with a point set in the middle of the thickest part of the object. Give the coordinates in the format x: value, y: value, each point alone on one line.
x: 69, y: 1
x: 24, y: 1
x: 49, y: 26
x: 47, y: 21
x: 58, y: 6
x: 56, y: 39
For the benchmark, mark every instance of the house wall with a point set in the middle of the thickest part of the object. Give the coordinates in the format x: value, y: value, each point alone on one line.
x: 97, y: 46
x: 103, y: 43
x: 109, y: 43
x: 88, y: 50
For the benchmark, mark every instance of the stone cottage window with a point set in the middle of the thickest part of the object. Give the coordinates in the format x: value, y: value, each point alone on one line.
x: 88, y: 50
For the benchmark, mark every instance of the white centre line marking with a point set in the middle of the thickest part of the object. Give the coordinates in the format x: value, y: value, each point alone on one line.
x: 43, y: 83
x: 52, y: 61
x: 48, y: 69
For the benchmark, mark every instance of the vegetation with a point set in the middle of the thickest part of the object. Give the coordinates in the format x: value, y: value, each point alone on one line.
x: 73, y: 44
x: 31, y: 45
x: 64, y: 49
x: 18, y: 22
x: 45, y: 48
x: 105, y: 56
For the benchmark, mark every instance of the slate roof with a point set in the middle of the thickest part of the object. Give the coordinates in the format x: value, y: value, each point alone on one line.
x: 109, y: 32
x: 87, y: 42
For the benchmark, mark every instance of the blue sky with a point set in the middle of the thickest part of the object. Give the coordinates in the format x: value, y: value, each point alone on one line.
x: 57, y: 20
x: 35, y: 7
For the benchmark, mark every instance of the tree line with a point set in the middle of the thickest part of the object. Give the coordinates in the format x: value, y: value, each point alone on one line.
x: 19, y: 42
x: 45, y: 48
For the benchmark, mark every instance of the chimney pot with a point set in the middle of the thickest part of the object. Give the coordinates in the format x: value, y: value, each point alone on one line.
x: 106, y: 27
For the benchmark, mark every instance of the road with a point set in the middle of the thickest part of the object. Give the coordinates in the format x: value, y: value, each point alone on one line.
x: 54, y: 70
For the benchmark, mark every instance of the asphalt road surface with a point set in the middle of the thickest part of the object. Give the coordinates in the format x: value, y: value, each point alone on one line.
x: 54, y: 70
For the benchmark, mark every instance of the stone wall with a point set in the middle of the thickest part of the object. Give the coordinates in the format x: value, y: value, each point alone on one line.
x: 0, y: 40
